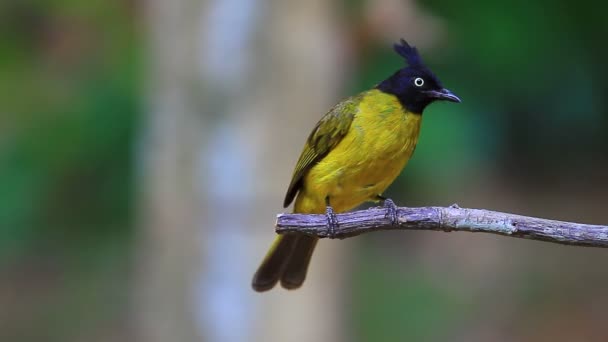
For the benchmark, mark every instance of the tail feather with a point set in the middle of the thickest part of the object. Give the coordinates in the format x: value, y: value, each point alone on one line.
x: 295, y: 271
x: 269, y: 272
x: 287, y: 261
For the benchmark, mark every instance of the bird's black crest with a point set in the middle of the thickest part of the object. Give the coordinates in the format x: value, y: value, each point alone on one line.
x: 410, y: 53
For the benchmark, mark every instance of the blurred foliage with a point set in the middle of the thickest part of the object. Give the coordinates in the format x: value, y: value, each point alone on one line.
x: 69, y: 94
x: 405, y: 306
x: 69, y: 90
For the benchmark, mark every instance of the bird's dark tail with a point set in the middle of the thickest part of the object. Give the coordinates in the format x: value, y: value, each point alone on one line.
x: 287, y: 261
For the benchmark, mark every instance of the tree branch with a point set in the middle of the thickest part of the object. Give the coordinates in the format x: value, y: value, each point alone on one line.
x: 446, y: 219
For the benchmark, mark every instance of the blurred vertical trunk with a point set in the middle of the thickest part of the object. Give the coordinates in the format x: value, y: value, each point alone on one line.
x: 234, y: 86
x: 170, y: 135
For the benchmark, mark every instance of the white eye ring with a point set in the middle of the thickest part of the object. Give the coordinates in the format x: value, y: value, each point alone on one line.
x: 418, y: 82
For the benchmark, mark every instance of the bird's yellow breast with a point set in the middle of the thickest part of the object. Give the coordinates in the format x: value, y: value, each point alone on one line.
x: 377, y: 146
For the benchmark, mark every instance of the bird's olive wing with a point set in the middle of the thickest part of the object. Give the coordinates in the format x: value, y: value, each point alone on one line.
x: 328, y: 132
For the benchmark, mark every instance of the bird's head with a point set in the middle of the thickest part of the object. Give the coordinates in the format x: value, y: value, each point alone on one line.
x: 415, y: 85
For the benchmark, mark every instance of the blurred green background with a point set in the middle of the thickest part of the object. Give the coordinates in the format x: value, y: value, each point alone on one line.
x: 530, y: 137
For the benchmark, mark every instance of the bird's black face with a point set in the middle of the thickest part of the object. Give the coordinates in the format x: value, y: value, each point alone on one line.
x: 415, y: 86
x: 416, y: 89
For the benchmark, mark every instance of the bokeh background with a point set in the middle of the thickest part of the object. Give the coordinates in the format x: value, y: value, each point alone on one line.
x: 145, y: 147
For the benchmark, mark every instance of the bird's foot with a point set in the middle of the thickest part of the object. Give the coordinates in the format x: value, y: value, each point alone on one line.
x: 391, y: 210
x: 332, y: 222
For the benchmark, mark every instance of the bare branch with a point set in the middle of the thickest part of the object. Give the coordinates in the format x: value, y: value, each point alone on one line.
x: 446, y: 219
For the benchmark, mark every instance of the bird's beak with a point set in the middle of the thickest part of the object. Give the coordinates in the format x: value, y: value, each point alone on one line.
x: 442, y: 94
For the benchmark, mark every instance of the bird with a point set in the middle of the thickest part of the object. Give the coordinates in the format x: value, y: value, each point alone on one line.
x: 352, y: 155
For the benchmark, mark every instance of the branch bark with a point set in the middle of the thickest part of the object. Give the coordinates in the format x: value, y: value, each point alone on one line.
x: 446, y: 219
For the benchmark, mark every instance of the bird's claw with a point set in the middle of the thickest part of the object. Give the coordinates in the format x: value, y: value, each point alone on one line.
x: 391, y: 211
x: 332, y: 222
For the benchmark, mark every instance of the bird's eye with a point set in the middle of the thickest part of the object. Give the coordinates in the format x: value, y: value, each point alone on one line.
x: 418, y: 82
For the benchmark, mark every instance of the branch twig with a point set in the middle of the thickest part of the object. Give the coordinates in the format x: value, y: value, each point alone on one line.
x: 447, y: 219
